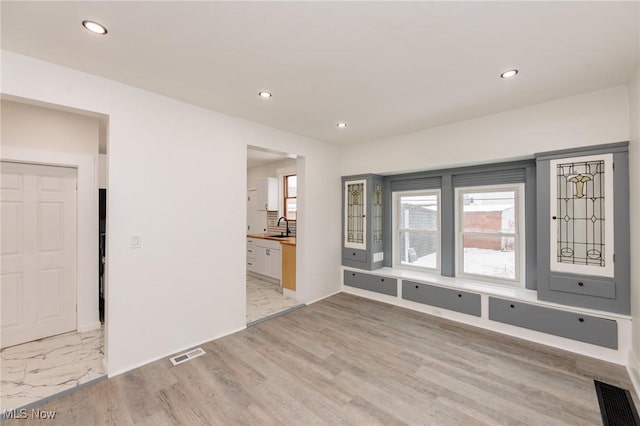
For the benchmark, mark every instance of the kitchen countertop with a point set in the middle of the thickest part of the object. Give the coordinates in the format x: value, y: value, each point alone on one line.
x: 288, y: 241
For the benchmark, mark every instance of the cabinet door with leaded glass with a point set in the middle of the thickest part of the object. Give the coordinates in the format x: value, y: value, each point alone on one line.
x: 355, y: 220
x: 581, y: 216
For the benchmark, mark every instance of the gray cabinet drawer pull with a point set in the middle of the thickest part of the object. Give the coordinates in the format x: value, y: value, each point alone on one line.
x: 581, y: 319
x: 512, y: 305
x: 580, y: 283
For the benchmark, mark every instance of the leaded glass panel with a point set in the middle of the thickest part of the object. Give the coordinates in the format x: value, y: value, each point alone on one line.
x: 377, y: 213
x: 355, y: 213
x: 580, y: 216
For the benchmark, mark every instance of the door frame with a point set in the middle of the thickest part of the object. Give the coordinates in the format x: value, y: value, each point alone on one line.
x: 87, y: 317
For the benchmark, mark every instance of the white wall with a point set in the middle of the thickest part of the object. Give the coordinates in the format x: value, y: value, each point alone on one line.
x: 634, y: 201
x: 589, y: 119
x: 46, y: 129
x: 178, y: 177
x: 267, y: 170
x: 43, y: 135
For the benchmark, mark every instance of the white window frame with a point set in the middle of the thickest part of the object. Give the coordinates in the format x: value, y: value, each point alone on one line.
x: 519, y: 235
x: 396, y: 230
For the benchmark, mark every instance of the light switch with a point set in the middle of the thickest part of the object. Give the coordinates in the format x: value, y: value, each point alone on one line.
x: 135, y: 241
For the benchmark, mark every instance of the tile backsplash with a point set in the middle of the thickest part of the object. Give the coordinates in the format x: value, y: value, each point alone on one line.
x: 272, y: 219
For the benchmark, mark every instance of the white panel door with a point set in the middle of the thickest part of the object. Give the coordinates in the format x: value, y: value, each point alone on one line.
x: 37, y: 252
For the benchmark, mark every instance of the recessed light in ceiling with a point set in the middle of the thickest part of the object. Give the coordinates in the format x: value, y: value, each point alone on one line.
x: 342, y: 125
x: 94, y: 27
x: 509, y: 73
x: 264, y: 94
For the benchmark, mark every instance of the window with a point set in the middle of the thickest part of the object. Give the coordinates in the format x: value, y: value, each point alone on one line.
x: 290, y: 190
x: 490, y: 237
x: 417, y: 229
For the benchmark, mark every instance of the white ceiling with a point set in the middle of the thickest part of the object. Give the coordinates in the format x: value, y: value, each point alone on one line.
x: 386, y: 68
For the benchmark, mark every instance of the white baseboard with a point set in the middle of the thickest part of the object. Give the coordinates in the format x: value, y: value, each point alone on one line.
x: 323, y: 297
x: 289, y: 293
x: 89, y: 327
x: 111, y: 374
x: 633, y: 368
x: 618, y: 356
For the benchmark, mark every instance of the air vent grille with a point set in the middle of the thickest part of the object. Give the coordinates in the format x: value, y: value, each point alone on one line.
x: 616, y: 405
x: 187, y: 356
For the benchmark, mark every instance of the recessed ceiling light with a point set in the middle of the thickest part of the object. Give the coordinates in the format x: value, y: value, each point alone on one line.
x: 264, y: 94
x: 342, y: 125
x: 509, y: 73
x: 94, y: 27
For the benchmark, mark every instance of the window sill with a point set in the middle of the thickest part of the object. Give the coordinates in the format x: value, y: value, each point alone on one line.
x: 493, y: 289
x: 485, y: 288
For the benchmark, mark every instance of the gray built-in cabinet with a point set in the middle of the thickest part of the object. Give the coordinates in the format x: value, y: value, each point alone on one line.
x: 375, y: 283
x: 583, y: 227
x: 576, y: 226
x: 362, y: 222
x: 572, y: 325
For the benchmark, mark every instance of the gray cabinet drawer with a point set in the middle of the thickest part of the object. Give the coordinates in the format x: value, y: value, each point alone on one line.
x: 354, y: 255
x: 375, y: 283
x: 460, y: 301
x: 586, y: 286
x: 585, y: 328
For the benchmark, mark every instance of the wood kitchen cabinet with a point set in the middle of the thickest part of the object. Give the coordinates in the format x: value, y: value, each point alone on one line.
x: 289, y: 267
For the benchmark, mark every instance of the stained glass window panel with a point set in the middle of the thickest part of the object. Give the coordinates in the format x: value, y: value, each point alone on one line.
x: 355, y: 213
x: 581, y: 213
x: 377, y: 213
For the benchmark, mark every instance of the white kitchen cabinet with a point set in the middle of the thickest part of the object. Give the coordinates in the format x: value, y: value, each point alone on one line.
x: 268, y: 258
x: 251, y: 255
x: 267, y: 193
x: 256, y: 219
x: 275, y: 261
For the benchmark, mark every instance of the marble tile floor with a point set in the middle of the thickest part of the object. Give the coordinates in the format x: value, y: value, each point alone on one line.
x: 265, y: 298
x: 42, y: 368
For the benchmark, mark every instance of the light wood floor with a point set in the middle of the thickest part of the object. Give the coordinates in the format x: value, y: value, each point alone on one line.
x: 348, y: 360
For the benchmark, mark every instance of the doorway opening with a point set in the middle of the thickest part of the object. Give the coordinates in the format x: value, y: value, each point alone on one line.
x: 272, y: 232
x: 52, y: 336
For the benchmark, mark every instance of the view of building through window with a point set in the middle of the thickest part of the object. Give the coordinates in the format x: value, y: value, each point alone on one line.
x: 419, y: 234
x: 290, y: 196
x: 488, y: 232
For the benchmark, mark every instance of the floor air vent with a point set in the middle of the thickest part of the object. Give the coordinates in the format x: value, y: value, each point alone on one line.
x: 179, y: 359
x: 616, y: 405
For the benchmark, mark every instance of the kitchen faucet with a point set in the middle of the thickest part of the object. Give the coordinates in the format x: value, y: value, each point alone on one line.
x: 287, y: 221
